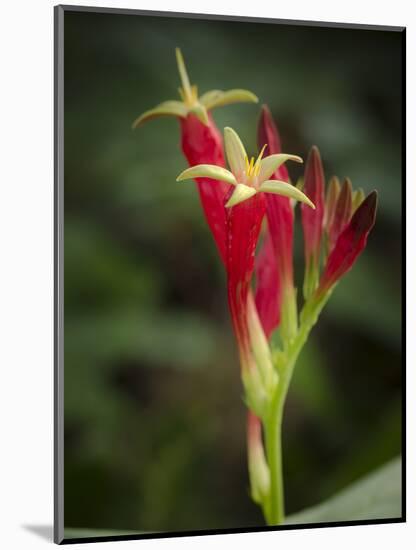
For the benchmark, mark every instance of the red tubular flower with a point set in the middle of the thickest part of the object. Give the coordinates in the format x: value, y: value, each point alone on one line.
x: 250, y: 185
x: 280, y: 216
x: 201, y: 142
x: 350, y: 243
x: 243, y: 229
x: 268, y: 292
x: 312, y: 220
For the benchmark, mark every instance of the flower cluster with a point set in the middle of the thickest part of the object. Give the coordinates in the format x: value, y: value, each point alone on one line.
x: 250, y: 210
x: 336, y: 232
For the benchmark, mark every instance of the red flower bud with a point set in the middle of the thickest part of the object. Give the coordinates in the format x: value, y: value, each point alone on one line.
x: 257, y: 464
x: 350, y: 243
x: 312, y: 220
x: 342, y: 213
x: 267, y: 133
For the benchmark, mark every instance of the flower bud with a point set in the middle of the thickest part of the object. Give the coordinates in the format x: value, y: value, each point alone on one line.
x: 257, y: 465
x: 312, y: 220
x: 342, y: 213
x: 350, y: 243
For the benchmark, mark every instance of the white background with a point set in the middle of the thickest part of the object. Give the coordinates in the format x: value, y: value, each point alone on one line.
x: 26, y: 269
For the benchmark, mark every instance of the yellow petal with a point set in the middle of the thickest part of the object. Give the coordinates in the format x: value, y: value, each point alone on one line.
x: 218, y: 98
x: 270, y: 164
x: 207, y: 171
x: 241, y: 193
x: 210, y: 96
x: 286, y: 190
x: 167, y: 108
x: 236, y: 154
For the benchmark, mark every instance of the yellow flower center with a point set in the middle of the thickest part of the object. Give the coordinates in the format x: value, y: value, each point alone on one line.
x: 253, y: 166
x: 189, y: 95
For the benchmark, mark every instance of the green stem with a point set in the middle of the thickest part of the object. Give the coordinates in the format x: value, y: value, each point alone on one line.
x: 273, y: 422
x: 275, y: 508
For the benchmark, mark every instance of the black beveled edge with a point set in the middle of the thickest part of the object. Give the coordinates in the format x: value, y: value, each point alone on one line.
x: 58, y: 527
x: 237, y: 18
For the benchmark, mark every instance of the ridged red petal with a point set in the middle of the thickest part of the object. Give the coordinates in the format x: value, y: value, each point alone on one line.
x: 268, y: 295
x: 342, y: 214
x: 203, y: 145
x: 350, y: 243
x: 244, y: 224
x: 267, y: 133
x: 280, y: 219
x: 312, y: 220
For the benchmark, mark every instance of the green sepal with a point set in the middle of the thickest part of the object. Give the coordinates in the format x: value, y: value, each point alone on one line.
x: 255, y: 396
x: 311, y: 278
x: 289, y: 315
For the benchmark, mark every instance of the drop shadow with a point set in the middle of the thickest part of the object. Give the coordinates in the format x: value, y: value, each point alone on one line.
x: 43, y: 531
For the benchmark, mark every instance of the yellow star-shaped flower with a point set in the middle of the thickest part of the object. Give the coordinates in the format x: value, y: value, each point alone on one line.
x: 191, y: 103
x: 248, y: 177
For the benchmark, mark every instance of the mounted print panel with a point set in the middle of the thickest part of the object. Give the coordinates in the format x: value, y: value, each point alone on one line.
x: 228, y: 274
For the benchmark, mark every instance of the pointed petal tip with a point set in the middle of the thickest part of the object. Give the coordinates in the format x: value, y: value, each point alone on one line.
x: 287, y: 190
x: 235, y: 151
x: 241, y: 193
x: 370, y: 203
x: 210, y: 171
x: 295, y: 158
x: 315, y: 154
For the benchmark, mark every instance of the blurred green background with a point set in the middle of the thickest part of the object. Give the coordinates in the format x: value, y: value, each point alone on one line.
x: 154, y: 418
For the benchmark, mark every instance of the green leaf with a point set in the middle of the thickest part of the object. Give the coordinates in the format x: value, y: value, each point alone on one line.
x: 376, y: 496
